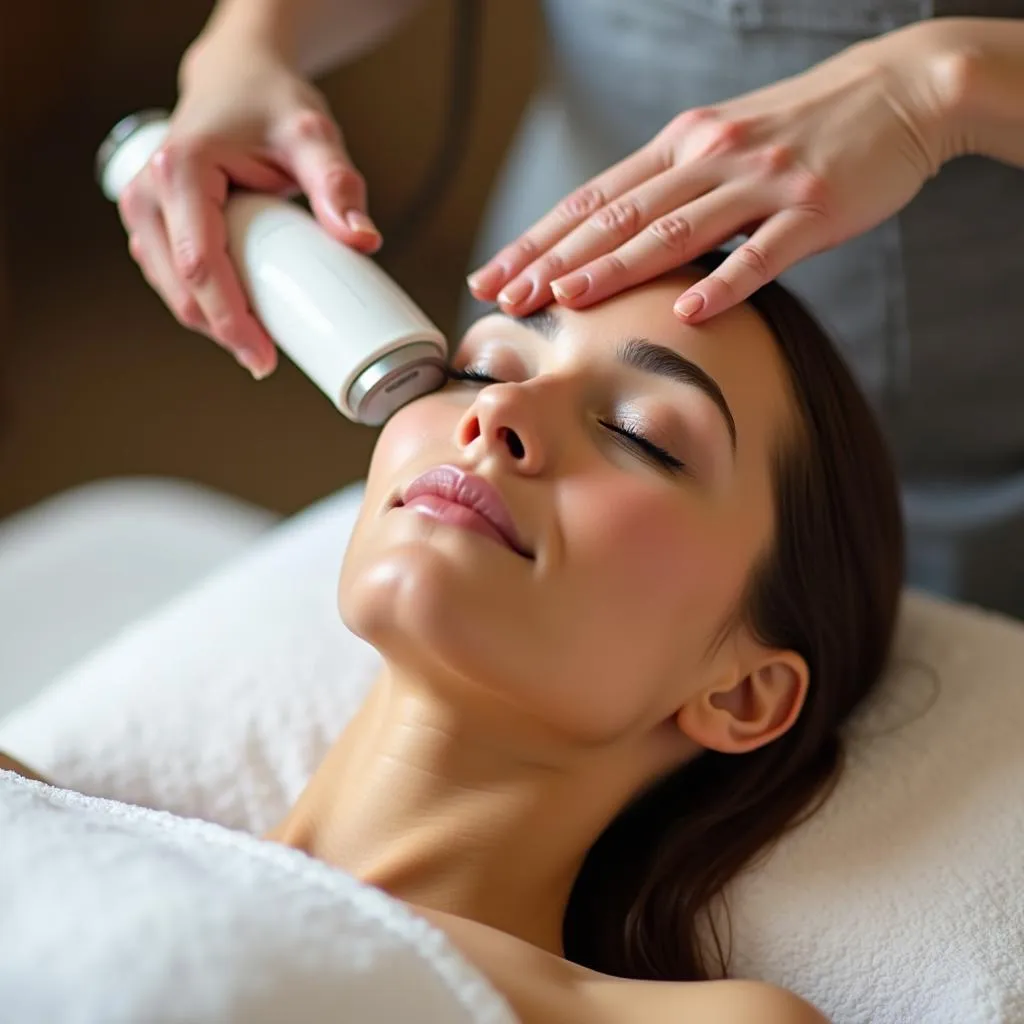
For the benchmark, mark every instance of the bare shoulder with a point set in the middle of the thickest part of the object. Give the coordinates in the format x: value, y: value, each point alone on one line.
x: 543, y: 988
x: 731, y: 1002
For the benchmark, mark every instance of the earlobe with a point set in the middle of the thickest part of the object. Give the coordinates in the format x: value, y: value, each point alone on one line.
x: 739, y: 716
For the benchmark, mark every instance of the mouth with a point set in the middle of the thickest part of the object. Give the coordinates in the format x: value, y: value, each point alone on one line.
x: 457, y: 498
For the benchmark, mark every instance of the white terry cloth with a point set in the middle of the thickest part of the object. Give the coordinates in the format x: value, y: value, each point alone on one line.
x: 77, y: 567
x: 111, y: 914
x: 221, y: 705
x: 901, y: 901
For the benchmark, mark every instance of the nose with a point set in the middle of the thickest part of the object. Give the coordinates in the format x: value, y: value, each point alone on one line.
x: 505, y: 420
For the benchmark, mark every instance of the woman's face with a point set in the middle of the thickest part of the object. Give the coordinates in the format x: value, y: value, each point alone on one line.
x: 633, y: 455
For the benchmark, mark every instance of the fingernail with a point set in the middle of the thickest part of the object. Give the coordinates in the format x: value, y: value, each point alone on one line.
x: 360, y: 223
x: 485, y: 278
x: 688, y: 305
x: 249, y: 358
x: 571, y: 287
x: 516, y: 292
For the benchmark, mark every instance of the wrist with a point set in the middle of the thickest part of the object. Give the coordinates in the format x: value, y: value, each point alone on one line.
x: 210, y: 53
x: 254, y: 31
x: 951, y: 64
x: 928, y: 72
x: 974, y: 69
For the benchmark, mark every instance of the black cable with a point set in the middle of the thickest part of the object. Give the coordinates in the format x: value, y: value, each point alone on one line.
x: 462, y: 86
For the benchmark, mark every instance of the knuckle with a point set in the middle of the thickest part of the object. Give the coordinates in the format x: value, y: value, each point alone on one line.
x: 523, y: 252
x: 227, y: 329
x: 172, y: 156
x: 133, y: 202
x: 163, y: 162
x: 612, y: 266
x: 673, y: 231
x: 775, y: 158
x: 340, y: 179
x: 192, y: 263
x: 312, y: 126
x: 755, y: 259
x: 135, y: 247
x: 724, y: 284
x: 188, y: 313
x: 811, y: 190
x: 552, y: 265
x: 690, y: 118
x: 581, y: 203
x: 723, y: 137
x: 620, y: 219
x: 662, y: 154
x: 340, y: 175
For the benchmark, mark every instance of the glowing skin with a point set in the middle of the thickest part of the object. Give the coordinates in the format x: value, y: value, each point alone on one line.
x: 526, y: 699
x: 531, y: 688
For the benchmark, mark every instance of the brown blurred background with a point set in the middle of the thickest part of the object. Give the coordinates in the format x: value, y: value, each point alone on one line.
x: 96, y: 378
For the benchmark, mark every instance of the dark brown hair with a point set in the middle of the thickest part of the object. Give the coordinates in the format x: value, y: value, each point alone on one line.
x: 829, y: 589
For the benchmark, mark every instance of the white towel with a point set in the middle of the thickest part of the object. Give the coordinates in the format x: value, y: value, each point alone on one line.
x: 111, y: 914
x: 222, y: 705
x: 902, y: 901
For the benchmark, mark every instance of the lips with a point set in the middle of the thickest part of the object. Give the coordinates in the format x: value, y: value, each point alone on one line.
x: 462, y: 499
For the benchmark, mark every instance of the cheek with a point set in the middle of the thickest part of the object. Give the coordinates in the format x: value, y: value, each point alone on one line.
x: 632, y: 593
x: 644, y: 541
x: 413, y: 431
x: 403, y: 443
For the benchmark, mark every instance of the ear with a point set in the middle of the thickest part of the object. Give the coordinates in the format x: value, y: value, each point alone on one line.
x: 737, y: 716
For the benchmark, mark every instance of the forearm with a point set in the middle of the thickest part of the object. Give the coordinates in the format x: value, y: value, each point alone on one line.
x: 311, y: 35
x: 979, y: 65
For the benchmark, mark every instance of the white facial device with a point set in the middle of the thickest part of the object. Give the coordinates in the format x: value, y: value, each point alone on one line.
x: 344, y: 322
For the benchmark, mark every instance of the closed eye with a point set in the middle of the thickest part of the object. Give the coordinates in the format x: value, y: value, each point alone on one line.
x: 627, y: 436
x: 471, y: 376
x: 631, y: 439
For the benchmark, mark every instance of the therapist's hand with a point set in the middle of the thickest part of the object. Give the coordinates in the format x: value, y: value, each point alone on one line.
x: 244, y: 119
x: 799, y: 167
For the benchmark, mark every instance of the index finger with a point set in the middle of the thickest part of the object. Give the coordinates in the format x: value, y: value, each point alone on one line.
x: 193, y: 210
x: 572, y: 211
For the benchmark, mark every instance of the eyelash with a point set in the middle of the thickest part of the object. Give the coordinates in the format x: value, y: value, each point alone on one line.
x: 630, y: 435
x: 471, y: 375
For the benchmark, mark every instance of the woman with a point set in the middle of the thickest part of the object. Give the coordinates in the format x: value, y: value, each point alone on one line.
x: 629, y: 577
x: 663, y: 129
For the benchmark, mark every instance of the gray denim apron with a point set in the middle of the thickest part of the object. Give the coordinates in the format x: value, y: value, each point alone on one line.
x: 928, y: 308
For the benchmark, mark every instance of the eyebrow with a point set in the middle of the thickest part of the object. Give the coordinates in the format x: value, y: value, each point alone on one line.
x: 648, y: 357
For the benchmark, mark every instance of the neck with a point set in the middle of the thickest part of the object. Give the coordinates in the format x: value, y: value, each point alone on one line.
x: 440, y: 808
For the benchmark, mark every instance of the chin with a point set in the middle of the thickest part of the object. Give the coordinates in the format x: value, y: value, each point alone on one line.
x: 469, y: 627
x: 389, y: 596
x: 438, y: 602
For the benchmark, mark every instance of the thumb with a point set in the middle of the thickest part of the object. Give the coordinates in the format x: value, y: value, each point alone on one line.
x: 322, y: 168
